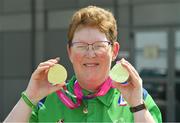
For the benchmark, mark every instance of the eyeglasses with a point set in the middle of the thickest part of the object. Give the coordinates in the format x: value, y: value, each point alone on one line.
x: 98, y: 46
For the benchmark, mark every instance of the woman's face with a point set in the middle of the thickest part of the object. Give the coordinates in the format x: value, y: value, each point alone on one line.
x: 91, y: 65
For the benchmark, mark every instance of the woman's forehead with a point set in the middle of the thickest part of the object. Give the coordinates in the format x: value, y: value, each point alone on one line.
x: 89, y: 33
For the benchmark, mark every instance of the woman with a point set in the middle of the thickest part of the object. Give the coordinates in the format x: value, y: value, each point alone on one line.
x: 91, y: 48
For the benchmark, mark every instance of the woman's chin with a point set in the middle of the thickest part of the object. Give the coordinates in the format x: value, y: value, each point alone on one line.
x: 90, y: 79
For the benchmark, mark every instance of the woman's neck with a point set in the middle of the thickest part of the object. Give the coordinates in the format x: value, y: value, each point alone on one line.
x: 90, y: 87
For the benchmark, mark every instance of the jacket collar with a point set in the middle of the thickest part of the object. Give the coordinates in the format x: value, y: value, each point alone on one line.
x: 106, y: 99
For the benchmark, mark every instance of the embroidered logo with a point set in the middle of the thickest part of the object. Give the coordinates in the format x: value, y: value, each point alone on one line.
x: 121, y: 101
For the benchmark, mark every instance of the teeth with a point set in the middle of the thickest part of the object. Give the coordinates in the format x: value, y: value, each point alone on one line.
x: 90, y: 65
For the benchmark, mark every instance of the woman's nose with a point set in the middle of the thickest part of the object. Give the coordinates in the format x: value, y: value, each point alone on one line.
x: 90, y: 52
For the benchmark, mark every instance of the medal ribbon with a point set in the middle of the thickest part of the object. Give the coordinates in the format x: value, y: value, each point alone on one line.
x: 104, y: 88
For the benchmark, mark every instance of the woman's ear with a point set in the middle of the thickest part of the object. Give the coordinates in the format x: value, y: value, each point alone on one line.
x: 116, y: 48
x: 69, y: 52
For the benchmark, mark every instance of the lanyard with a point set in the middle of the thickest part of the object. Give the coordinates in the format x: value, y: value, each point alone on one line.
x: 104, y: 88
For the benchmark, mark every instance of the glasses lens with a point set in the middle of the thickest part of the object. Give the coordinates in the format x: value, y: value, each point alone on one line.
x: 99, y: 46
x: 80, y: 46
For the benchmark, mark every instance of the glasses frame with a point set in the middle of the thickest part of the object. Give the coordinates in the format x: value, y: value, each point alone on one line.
x: 88, y: 44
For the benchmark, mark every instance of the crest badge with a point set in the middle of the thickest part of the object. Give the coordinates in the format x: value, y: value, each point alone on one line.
x: 121, y: 101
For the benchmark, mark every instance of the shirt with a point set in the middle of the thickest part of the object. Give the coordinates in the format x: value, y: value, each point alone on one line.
x: 108, y: 108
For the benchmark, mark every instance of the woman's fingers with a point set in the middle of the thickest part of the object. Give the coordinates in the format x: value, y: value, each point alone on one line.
x: 57, y: 87
x: 43, y: 68
x: 39, y: 70
x: 133, y: 74
x: 131, y: 67
x: 116, y: 85
x: 50, y: 62
x: 47, y: 64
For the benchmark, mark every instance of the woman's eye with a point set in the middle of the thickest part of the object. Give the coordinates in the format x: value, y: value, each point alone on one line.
x: 81, y: 47
x: 99, y: 46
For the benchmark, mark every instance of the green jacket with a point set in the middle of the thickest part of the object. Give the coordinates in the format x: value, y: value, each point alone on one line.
x: 100, y: 109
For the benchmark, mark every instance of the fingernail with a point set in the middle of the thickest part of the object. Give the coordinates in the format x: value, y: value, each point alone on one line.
x: 57, y: 58
x: 122, y: 60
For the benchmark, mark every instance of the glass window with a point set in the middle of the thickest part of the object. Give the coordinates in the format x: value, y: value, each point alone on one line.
x: 151, y: 53
x: 177, y: 57
x: 158, y: 92
x: 177, y: 73
x: 177, y: 101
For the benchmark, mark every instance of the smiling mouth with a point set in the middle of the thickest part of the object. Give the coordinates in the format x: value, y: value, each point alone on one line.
x: 91, y: 64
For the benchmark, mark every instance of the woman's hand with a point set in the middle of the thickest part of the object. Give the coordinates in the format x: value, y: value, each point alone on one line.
x: 132, y: 92
x: 39, y: 87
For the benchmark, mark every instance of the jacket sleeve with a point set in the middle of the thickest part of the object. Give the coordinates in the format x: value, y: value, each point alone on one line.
x: 153, y: 109
x: 34, y: 115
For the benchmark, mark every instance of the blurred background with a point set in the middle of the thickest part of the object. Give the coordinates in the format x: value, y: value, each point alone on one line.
x: 32, y: 31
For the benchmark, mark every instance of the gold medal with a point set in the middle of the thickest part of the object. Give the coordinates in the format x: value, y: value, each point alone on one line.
x: 57, y: 74
x: 118, y: 73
